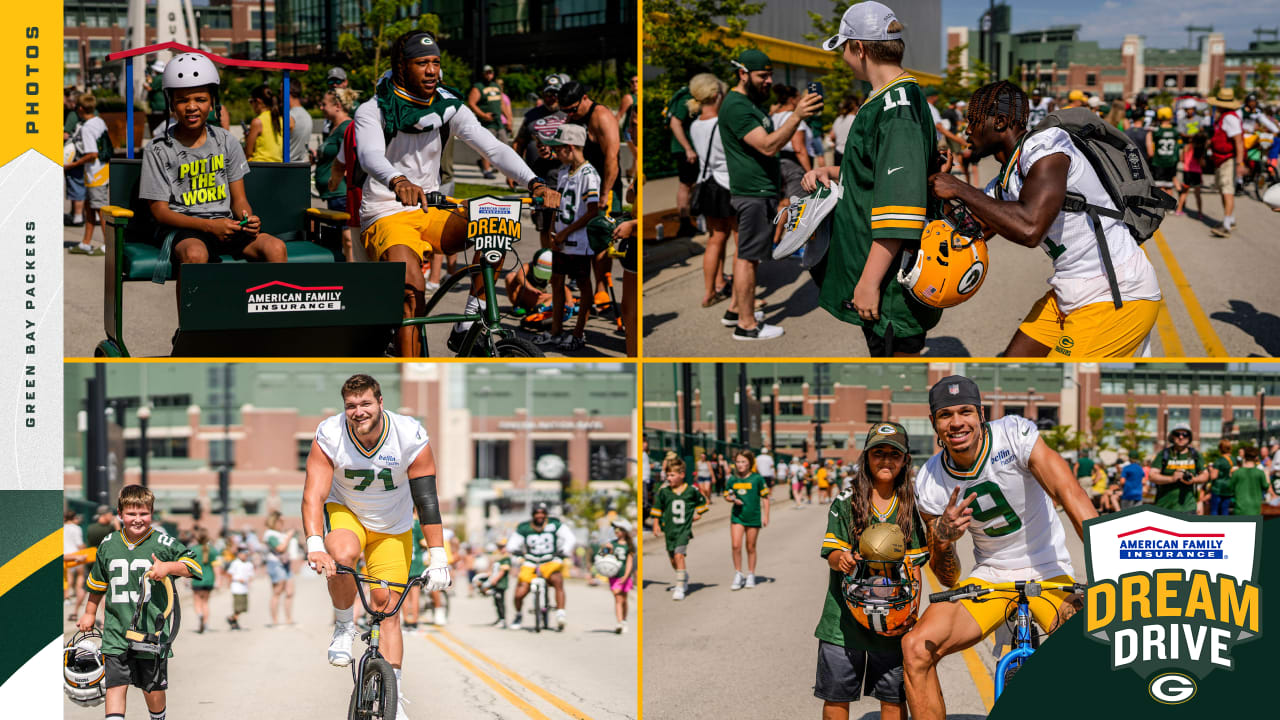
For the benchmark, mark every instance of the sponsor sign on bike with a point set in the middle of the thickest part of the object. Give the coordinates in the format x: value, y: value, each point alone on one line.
x: 1171, y: 594
x: 493, y: 226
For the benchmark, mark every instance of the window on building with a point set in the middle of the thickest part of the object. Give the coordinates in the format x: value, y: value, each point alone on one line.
x: 1091, y: 79
x: 822, y: 411
x: 1242, y: 388
x: 161, y: 447
x: 555, y: 448
x: 608, y: 460
x: 492, y: 461
x: 1047, y: 415
x: 304, y: 450
x: 1147, y: 417
x: 70, y: 52
x: 794, y: 408
x: 216, y: 18
x: 1178, y: 416
x: 99, y: 48
x: 1210, y: 422
x: 222, y: 451
x: 255, y: 23
x: 1113, y: 416
x: 875, y: 412
x: 1170, y: 80
x: 1189, y: 80
x: 791, y: 385
x: 1015, y: 410
x: 1151, y: 80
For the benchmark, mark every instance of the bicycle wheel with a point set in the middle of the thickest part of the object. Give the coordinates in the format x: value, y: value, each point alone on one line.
x: 537, y: 612
x: 380, y: 693
x: 1010, y: 671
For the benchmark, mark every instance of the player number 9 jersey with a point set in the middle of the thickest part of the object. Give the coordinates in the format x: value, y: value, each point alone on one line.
x: 374, y: 482
x: 1015, y: 526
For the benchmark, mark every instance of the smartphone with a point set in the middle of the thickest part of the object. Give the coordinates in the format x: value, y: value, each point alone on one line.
x: 815, y: 87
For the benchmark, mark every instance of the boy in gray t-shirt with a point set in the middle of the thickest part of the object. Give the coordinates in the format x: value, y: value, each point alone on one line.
x: 193, y: 177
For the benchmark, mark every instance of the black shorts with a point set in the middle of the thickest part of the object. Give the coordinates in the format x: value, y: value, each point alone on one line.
x: 844, y: 674
x: 574, y: 266
x: 1164, y: 174
x: 755, y: 226
x: 147, y: 674
x: 1191, y: 179
x: 687, y: 171
x: 886, y: 346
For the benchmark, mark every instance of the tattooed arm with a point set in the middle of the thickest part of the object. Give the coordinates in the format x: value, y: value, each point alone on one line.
x: 943, y: 531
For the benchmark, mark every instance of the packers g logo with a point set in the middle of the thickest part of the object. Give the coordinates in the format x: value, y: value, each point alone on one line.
x: 971, y: 278
x: 886, y: 430
x: 1172, y: 688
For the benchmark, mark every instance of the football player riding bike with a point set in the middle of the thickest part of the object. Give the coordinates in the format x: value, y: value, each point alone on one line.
x: 1016, y: 532
x: 543, y: 544
x: 367, y: 471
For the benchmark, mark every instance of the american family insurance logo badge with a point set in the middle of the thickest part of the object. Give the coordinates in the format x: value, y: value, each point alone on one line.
x: 1172, y: 594
x: 277, y: 296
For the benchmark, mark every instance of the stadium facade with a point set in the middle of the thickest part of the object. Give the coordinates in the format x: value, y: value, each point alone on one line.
x: 502, y: 435
x: 1212, y: 399
x: 1057, y: 59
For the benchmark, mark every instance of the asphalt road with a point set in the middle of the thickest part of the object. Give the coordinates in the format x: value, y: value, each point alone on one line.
x: 151, y: 312
x: 1219, y: 300
x: 752, y: 652
x: 465, y: 670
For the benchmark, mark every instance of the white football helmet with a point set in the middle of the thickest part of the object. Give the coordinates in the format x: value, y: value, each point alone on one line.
x: 1272, y: 196
x: 83, y: 669
x: 606, y: 565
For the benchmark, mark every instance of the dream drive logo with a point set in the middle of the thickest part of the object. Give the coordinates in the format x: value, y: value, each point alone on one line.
x: 278, y: 296
x: 494, y: 225
x: 1172, y: 594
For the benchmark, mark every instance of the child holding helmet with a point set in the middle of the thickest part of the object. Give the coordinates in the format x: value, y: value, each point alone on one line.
x: 872, y: 598
x: 193, y: 176
x: 622, y: 547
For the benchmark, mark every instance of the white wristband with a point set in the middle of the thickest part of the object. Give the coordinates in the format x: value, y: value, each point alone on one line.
x: 315, y: 543
x: 436, y: 557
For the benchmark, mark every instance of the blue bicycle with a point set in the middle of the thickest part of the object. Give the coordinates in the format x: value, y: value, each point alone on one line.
x: 1026, y: 639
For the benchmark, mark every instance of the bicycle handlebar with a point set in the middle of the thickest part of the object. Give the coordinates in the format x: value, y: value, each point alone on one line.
x: 363, y: 579
x: 1020, y: 586
x: 447, y: 202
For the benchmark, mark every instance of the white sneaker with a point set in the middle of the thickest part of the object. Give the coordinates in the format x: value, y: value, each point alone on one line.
x: 440, y: 617
x: 430, y: 287
x: 730, y: 318
x: 678, y: 593
x: 559, y: 619
x: 762, y: 331
x: 738, y: 579
x: 401, y: 701
x: 344, y: 634
x: 515, y: 624
x: 751, y: 581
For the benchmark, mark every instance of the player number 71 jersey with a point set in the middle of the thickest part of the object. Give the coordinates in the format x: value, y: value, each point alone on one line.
x: 1015, y: 527
x: 373, y: 482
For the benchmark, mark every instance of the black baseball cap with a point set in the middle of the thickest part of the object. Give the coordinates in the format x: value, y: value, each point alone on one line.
x: 571, y: 93
x: 954, y: 390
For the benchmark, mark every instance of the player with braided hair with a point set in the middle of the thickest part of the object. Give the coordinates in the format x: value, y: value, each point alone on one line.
x: 1025, y: 203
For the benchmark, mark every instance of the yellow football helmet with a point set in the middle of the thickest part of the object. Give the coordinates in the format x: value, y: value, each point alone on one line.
x: 951, y: 263
x: 883, y: 593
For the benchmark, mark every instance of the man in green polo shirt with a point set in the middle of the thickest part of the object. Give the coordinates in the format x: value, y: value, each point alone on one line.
x: 1177, y: 473
x: 1248, y: 485
x: 885, y: 169
x: 751, y: 146
x: 485, y: 100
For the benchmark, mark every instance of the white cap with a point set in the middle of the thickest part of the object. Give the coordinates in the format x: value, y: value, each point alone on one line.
x: 961, y: 103
x: 1095, y: 101
x: 864, y: 21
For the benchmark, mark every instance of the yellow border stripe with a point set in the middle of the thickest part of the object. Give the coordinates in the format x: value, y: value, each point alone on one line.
x: 545, y: 695
x: 30, y: 560
x: 1212, y: 345
x: 911, y: 224
x: 904, y: 209
x: 981, y: 678
x: 511, y: 697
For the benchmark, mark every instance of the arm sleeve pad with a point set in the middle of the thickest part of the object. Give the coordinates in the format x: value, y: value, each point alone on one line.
x: 423, y: 490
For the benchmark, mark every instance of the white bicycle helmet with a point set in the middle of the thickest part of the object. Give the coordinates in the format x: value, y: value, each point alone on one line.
x: 83, y: 669
x: 190, y: 70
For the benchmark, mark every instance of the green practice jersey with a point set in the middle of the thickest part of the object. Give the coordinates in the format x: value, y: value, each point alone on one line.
x: 1250, y: 485
x: 416, y: 565
x: 1166, y: 143
x: 1084, y: 468
x: 490, y: 101
x: 678, y: 108
x: 884, y: 171
x: 676, y: 508
x: 749, y: 490
x: 751, y: 173
x: 837, y: 625
x: 619, y: 550
x: 1176, y: 495
x: 117, y: 574
x: 1222, y: 486
x: 541, y: 545
x: 502, y: 563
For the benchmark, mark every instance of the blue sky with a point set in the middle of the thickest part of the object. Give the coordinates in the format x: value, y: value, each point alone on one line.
x: 1163, y: 22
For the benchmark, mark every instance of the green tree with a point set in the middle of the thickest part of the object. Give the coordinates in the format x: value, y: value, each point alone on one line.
x: 1264, y: 79
x: 1099, y: 432
x: 684, y: 38
x: 839, y: 82
x: 1062, y: 438
x: 388, y: 20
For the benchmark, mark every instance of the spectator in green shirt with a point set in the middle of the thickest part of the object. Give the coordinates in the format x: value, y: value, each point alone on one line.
x: 1220, y: 483
x: 1249, y: 485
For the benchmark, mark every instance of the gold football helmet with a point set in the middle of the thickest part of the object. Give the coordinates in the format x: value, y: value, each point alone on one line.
x: 951, y: 263
x: 883, y: 593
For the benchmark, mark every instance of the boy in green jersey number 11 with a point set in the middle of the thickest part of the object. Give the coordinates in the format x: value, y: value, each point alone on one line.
x: 123, y: 558
x: 676, y: 506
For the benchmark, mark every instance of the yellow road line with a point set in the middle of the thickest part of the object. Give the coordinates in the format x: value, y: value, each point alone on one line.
x: 1212, y: 345
x: 30, y: 560
x: 981, y: 678
x: 1171, y: 344
x: 565, y: 707
x: 498, y: 687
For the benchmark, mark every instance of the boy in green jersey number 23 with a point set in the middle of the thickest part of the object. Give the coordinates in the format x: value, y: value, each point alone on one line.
x: 123, y: 558
x: 675, y: 506
x: 749, y: 494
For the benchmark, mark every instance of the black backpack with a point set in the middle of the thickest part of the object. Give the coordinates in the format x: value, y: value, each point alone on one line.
x: 1122, y: 168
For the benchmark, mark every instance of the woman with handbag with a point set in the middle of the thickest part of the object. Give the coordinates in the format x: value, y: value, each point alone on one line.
x: 710, y: 196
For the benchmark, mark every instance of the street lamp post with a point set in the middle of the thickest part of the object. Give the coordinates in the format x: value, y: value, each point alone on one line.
x: 144, y: 447
x: 1262, y: 417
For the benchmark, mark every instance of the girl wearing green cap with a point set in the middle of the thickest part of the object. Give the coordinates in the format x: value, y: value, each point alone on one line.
x: 853, y: 658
